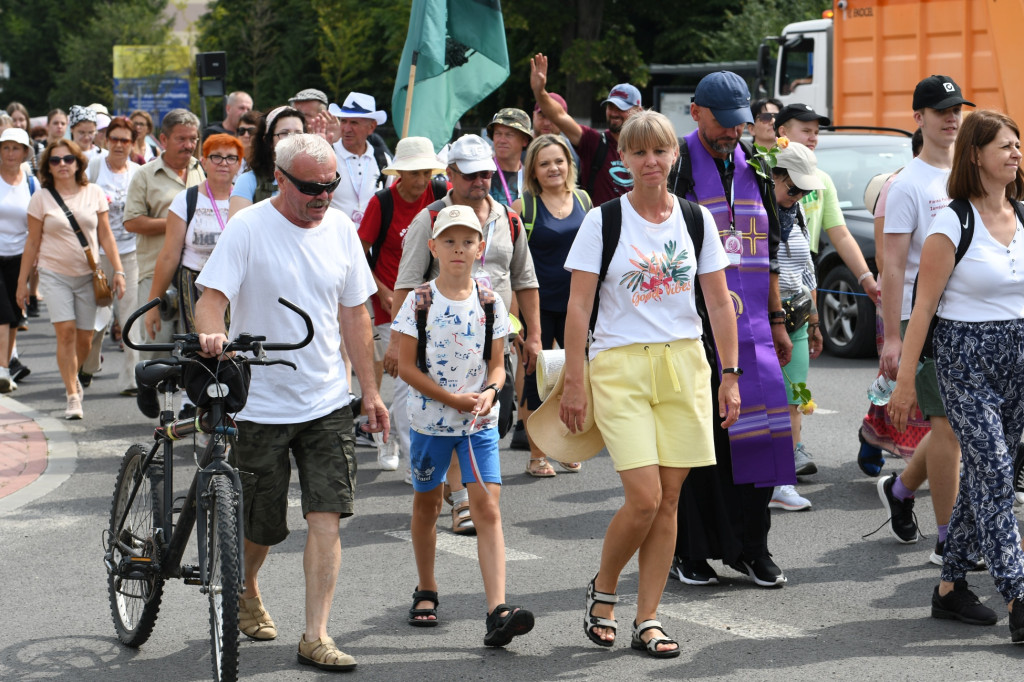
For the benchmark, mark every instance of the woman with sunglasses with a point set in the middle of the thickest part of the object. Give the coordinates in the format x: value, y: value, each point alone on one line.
x: 189, y: 241
x: 113, y: 173
x: 763, y: 127
x: 246, y: 133
x: 258, y: 183
x: 145, y: 148
x: 64, y: 273
x: 795, y: 176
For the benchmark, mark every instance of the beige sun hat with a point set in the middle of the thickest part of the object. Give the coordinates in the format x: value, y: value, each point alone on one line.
x: 415, y: 154
x: 552, y: 436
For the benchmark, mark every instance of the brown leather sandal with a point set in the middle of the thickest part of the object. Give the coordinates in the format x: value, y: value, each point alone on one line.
x: 324, y: 654
x: 254, y: 621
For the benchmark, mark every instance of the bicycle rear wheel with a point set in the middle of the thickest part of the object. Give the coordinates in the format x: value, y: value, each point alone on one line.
x: 223, y: 572
x: 134, y: 600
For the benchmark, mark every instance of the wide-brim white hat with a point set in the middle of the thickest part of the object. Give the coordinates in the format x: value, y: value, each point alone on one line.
x: 415, y: 154
x: 553, y: 437
x: 358, y: 105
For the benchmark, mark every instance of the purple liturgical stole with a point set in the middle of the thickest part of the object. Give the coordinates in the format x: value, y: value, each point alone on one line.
x: 762, y: 440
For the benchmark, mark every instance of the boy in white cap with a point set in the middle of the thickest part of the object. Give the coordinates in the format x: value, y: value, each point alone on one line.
x: 455, y: 379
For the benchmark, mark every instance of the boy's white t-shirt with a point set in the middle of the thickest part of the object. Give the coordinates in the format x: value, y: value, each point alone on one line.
x: 986, y: 285
x: 202, y: 233
x: 455, y: 343
x: 263, y: 256
x: 915, y: 197
x: 647, y: 295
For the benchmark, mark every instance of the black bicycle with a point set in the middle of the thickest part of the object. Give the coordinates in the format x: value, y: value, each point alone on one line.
x: 149, y: 527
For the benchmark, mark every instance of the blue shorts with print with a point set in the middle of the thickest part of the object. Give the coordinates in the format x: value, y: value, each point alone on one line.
x: 432, y: 455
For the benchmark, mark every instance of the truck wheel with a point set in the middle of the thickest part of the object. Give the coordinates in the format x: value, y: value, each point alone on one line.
x: 847, y: 317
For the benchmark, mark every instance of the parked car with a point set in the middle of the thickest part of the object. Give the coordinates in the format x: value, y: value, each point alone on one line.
x: 852, y: 158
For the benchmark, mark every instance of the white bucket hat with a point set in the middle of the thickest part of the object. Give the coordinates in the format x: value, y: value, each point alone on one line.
x: 358, y: 105
x: 553, y: 438
x: 415, y: 154
x: 16, y: 135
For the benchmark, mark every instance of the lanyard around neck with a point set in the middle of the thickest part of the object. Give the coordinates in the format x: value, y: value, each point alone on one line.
x: 216, y: 209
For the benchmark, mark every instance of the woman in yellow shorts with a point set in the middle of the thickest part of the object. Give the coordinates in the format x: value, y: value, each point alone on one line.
x: 650, y: 377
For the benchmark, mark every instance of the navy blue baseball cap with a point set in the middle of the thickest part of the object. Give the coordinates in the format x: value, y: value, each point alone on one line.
x: 727, y: 96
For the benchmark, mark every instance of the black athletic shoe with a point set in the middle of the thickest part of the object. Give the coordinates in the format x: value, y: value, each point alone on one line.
x: 18, y: 370
x: 32, y: 309
x: 963, y: 605
x: 902, y: 522
x: 519, y: 440
x: 693, y: 572
x: 86, y: 379
x: 764, y: 571
x: 1017, y: 623
x: 937, y: 556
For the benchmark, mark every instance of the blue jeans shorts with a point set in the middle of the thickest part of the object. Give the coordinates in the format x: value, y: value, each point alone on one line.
x: 432, y: 455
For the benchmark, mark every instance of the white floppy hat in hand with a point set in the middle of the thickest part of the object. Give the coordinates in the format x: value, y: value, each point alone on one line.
x: 415, y: 154
x: 552, y: 436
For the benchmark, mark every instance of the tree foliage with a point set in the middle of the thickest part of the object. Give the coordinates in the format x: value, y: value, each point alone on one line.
x: 742, y: 31
x: 61, y: 54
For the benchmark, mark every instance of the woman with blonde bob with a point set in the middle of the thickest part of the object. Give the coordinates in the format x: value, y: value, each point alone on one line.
x: 554, y: 210
x: 650, y: 376
x: 978, y: 305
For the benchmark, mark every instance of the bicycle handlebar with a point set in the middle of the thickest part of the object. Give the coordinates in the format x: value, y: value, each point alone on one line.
x: 243, y: 343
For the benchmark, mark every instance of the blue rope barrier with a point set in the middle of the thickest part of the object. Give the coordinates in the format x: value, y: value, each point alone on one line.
x: 843, y: 293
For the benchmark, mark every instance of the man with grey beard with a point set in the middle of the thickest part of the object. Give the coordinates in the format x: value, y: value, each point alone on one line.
x: 601, y: 171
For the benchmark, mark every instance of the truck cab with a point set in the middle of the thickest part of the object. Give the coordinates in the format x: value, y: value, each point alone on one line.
x: 803, y: 70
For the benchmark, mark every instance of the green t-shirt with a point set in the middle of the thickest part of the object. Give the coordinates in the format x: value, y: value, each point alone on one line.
x: 822, y: 210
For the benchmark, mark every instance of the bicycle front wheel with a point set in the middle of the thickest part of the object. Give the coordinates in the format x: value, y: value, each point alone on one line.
x: 223, y: 570
x: 135, y: 591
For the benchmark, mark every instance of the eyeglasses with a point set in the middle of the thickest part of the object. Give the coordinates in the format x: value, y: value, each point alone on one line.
x: 219, y: 159
x: 248, y: 130
x: 119, y: 140
x: 766, y: 117
x: 313, y: 189
x: 484, y: 175
x: 138, y: 125
x: 795, y: 191
x: 288, y: 133
x: 69, y: 159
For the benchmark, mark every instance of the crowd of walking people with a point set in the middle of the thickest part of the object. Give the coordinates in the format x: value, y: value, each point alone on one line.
x: 675, y: 273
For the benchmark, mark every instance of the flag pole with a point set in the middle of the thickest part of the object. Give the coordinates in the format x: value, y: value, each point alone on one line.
x: 408, y: 96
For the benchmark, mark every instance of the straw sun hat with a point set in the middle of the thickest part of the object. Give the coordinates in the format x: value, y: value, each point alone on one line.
x: 414, y: 154
x: 553, y: 437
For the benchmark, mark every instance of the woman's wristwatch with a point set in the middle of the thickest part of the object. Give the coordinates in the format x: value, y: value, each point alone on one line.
x: 732, y: 370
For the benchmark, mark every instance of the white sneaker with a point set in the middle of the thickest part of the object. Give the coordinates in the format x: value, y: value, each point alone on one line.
x: 387, y: 453
x: 408, y: 475
x: 7, y: 383
x: 74, y: 408
x: 786, y: 497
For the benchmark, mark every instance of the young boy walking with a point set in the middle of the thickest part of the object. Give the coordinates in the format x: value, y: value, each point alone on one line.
x: 453, y: 406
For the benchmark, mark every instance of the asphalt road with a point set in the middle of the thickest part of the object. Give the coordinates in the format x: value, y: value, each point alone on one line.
x: 853, y: 608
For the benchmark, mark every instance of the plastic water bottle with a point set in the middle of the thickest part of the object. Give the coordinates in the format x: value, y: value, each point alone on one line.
x: 881, y: 390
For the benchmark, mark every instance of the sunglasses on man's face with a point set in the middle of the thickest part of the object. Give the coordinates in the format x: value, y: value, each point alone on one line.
x: 313, y: 189
x: 479, y: 175
x: 69, y: 159
x: 766, y: 117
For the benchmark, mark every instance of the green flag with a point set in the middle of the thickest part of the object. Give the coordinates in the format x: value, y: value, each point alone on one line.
x: 460, y: 57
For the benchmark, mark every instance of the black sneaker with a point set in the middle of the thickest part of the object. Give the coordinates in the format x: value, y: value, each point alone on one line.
x: 963, y: 605
x: 32, y: 309
x: 764, y: 571
x: 85, y: 378
x: 18, y: 370
x: 519, y: 440
x: 1017, y: 623
x: 939, y: 553
x: 693, y: 572
x: 902, y: 522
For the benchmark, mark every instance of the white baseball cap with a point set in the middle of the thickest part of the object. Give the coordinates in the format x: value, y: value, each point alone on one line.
x: 471, y: 154
x: 449, y: 216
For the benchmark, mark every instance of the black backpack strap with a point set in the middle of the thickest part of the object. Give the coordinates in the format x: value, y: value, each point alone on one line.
x: 387, y: 212
x: 680, y: 178
x: 486, y: 297
x: 600, y: 154
x: 694, y: 219
x: 529, y: 212
x: 379, y: 156
x: 421, y: 306
x: 191, y: 200
x: 515, y: 224
x: 611, y: 230
x: 438, y: 187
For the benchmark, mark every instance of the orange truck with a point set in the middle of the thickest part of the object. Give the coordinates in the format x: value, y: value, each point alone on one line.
x: 860, y: 66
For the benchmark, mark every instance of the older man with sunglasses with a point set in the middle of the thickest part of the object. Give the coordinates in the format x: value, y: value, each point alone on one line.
x: 296, y: 246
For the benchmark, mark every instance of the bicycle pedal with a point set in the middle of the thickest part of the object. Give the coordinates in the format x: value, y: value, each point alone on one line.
x: 137, y: 568
x: 190, y: 575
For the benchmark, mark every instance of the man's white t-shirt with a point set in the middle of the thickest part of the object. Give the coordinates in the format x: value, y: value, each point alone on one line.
x: 359, y: 174
x: 202, y: 233
x: 916, y: 195
x: 455, y: 346
x: 985, y: 285
x: 647, y: 295
x: 262, y: 256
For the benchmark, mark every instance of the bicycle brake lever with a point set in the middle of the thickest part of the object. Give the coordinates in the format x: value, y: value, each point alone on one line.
x: 279, y: 362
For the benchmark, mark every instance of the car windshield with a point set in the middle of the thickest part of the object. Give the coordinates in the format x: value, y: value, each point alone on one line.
x: 853, y: 166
